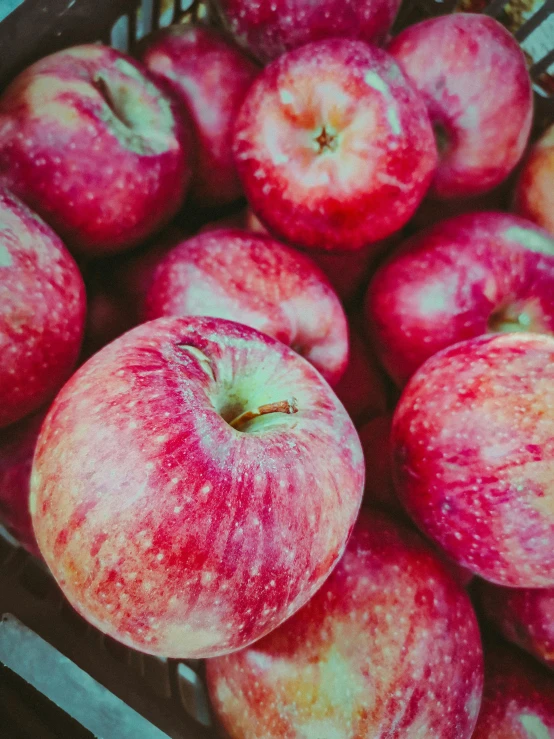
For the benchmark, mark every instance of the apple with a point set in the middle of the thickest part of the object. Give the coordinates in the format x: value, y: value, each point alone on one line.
x: 346, y: 271
x: 473, y: 77
x: 518, y: 697
x: 255, y: 280
x: 469, y: 275
x: 474, y: 459
x: 268, y: 28
x: 388, y: 647
x: 333, y: 146
x: 361, y: 388
x: 210, y: 76
x: 525, y: 616
x: 17, y: 446
x: 534, y: 197
x: 194, y: 484
x: 95, y: 146
x: 42, y: 311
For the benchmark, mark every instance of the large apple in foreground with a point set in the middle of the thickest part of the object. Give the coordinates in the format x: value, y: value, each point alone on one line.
x: 95, y: 146
x: 473, y: 77
x: 255, y: 280
x: 389, y: 647
x: 17, y: 446
x: 534, y: 196
x: 268, y: 28
x: 473, y: 450
x: 210, y: 76
x: 525, y: 616
x: 42, y: 311
x: 194, y: 484
x: 469, y: 275
x: 333, y: 146
x: 518, y: 697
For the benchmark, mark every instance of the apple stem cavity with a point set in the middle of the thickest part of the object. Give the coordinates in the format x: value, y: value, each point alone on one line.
x: 442, y: 138
x: 282, y: 406
x: 518, y: 317
x: 101, y: 84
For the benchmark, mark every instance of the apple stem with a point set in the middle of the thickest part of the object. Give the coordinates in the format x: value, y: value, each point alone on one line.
x: 282, y: 406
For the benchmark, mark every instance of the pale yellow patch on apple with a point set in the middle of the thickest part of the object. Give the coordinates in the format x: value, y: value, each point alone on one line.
x: 5, y: 257
x: 534, y: 727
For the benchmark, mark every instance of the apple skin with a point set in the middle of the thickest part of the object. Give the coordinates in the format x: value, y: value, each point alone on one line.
x: 210, y: 76
x: 389, y: 647
x: 42, y: 311
x: 473, y: 77
x: 534, y: 195
x: 167, y: 528
x: 518, y: 697
x: 525, y: 616
x: 17, y: 446
x: 268, y: 29
x: 469, y: 275
x: 473, y: 455
x: 361, y: 388
x: 255, y: 280
x: 333, y: 146
x: 96, y: 147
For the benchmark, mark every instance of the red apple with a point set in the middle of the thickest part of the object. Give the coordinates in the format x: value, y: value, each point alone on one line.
x: 535, y: 188
x: 42, y: 311
x: 361, y: 389
x: 333, y: 146
x: 518, y: 697
x: 379, y: 486
x: 95, y: 146
x: 194, y: 484
x: 268, y: 28
x: 210, y: 76
x: 389, y: 647
x: 473, y: 77
x: 17, y: 446
x: 252, y: 279
x: 473, y: 452
x: 525, y: 617
x: 470, y: 275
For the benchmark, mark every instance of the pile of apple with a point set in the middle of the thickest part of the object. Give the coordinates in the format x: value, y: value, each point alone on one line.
x: 268, y: 218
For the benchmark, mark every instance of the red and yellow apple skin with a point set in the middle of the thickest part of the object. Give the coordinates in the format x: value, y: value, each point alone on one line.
x: 473, y: 77
x: 518, y: 697
x: 525, y: 616
x: 255, y: 280
x: 473, y: 455
x: 534, y: 195
x: 388, y: 648
x: 168, y: 528
x: 267, y: 28
x: 17, y: 446
x: 333, y: 146
x: 42, y: 311
x: 96, y: 147
x: 473, y: 274
x: 210, y: 76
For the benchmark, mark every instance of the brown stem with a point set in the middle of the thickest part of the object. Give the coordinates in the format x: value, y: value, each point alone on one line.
x: 282, y: 406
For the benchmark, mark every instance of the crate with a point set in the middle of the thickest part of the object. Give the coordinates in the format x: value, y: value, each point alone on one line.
x: 59, y: 676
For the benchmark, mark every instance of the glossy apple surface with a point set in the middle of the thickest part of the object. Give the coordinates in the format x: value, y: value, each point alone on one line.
x: 268, y: 28
x: 518, y: 697
x: 95, y: 147
x: 470, y: 275
x: 42, y: 311
x: 389, y: 647
x: 333, y: 146
x: 535, y: 188
x: 525, y: 616
x: 474, y: 458
x: 17, y: 446
x: 255, y: 280
x: 194, y: 484
x: 473, y: 77
x: 210, y: 76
